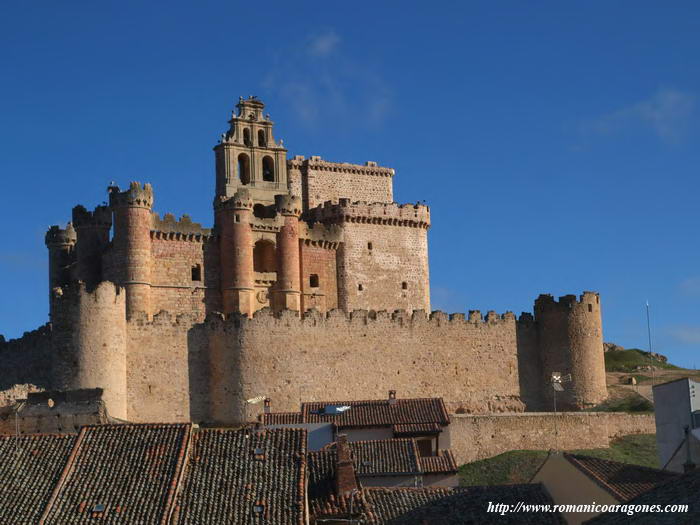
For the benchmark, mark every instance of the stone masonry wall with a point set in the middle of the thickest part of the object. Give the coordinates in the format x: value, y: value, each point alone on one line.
x: 323, y: 181
x: 24, y: 364
x: 322, y: 263
x: 475, y: 437
x: 374, y: 262
x: 167, y: 369
x: 472, y: 364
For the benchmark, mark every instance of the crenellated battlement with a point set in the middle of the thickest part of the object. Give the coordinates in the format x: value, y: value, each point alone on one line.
x: 136, y: 196
x: 317, y: 163
x: 57, y: 236
x: 105, y: 292
x: 412, y: 215
x: 289, y: 205
x: 321, y: 235
x: 100, y: 217
x: 546, y: 302
x: 184, y: 229
x: 241, y: 200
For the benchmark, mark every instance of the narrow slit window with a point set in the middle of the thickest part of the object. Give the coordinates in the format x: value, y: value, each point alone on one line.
x: 197, y: 272
x: 369, y: 246
x: 359, y: 287
x: 404, y: 285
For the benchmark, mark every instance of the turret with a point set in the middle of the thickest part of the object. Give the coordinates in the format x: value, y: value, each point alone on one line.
x: 61, y: 244
x: 132, y: 243
x: 233, y: 218
x: 570, y: 339
x: 248, y: 155
x: 92, y: 228
x: 89, y: 342
x: 287, y: 290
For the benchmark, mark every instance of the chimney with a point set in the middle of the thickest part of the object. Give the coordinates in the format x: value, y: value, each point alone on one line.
x: 345, y: 479
x: 392, y: 397
x: 268, y: 403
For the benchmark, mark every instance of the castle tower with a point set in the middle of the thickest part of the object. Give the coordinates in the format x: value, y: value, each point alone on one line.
x: 92, y: 230
x: 61, y: 243
x: 287, y: 290
x: 89, y: 342
x: 233, y: 218
x: 248, y: 155
x: 570, y: 337
x: 132, y: 243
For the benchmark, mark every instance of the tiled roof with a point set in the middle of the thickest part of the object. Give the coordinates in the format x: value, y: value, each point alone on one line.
x: 443, y: 463
x: 231, y: 471
x: 445, y: 506
x: 282, y: 418
x: 416, y: 428
x: 321, y: 466
x: 131, y: 470
x: 31, y: 466
x: 385, y: 457
x: 374, y: 413
x: 621, y: 480
x: 681, y: 490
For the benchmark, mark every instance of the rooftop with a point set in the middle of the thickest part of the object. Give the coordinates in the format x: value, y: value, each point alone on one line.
x: 621, y: 480
x: 409, y: 415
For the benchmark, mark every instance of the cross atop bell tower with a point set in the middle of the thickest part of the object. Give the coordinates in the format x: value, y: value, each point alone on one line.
x: 248, y: 155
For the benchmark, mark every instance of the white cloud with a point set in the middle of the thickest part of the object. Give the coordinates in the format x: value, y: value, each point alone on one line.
x: 691, y: 286
x: 667, y: 113
x: 342, y: 91
x: 323, y: 44
x: 686, y: 334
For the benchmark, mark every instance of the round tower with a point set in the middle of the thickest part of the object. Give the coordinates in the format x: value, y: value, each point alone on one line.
x: 286, y: 293
x: 92, y: 228
x: 132, y: 243
x: 570, y: 337
x: 233, y: 218
x: 89, y: 342
x: 61, y: 243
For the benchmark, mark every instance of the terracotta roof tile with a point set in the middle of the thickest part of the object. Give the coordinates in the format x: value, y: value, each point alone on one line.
x: 282, y: 418
x: 231, y: 471
x: 385, y: 457
x: 680, y: 490
x: 621, y: 480
x: 131, y: 470
x: 416, y: 428
x: 445, y: 506
x: 372, y: 413
x: 443, y: 463
x: 31, y: 466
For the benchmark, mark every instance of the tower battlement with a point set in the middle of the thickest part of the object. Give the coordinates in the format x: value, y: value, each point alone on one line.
x: 546, y: 302
x: 184, y: 225
x: 318, y: 164
x: 100, y: 217
x: 413, y: 215
x: 136, y: 196
x: 56, y: 235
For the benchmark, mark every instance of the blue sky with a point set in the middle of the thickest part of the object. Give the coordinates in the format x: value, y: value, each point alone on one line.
x: 557, y: 143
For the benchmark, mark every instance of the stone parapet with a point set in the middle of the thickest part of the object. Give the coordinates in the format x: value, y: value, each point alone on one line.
x: 317, y: 163
x: 412, y: 215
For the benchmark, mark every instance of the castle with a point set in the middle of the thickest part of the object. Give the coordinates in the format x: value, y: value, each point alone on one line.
x: 312, y: 284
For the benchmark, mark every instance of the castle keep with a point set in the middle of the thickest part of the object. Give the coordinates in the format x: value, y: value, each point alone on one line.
x: 312, y: 283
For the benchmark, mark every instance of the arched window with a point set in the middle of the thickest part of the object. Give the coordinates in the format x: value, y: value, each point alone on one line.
x: 268, y: 168
x: 244, y: 168
x: 262, y: 139
x: 246, y: 137
x: 264, y: 256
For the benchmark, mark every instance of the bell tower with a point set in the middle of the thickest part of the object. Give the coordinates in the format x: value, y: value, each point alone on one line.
x: 248, y: 156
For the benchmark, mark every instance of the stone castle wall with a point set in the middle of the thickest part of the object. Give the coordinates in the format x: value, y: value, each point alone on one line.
x: 472, y: 364
x: 318, y: 181
x: 475, y: 437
